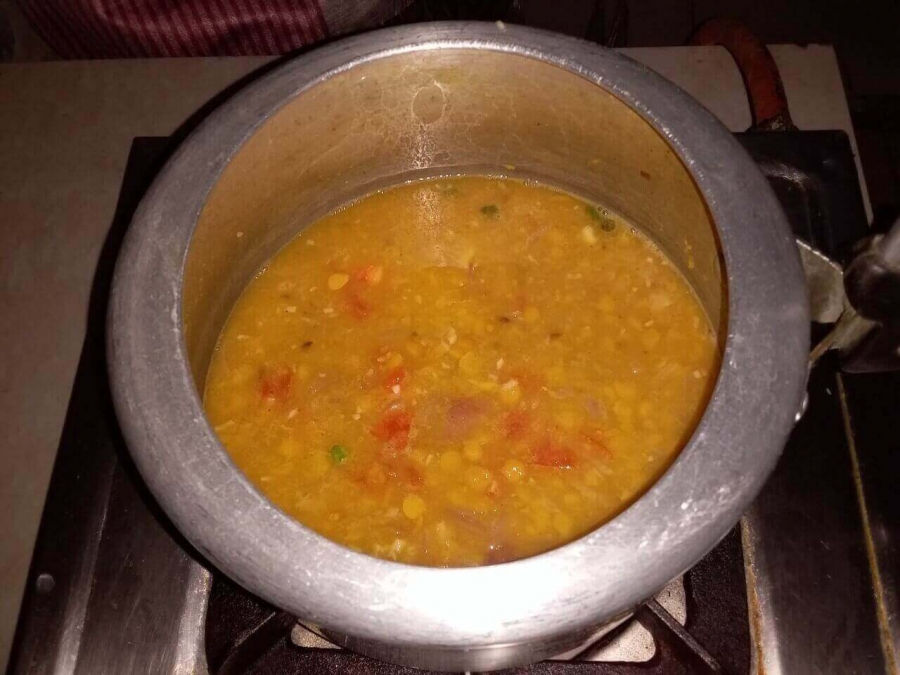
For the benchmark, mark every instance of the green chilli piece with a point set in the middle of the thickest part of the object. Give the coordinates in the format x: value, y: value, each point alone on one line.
x: 606, y: 224
x: 490, y: 210
x: 339, y: 454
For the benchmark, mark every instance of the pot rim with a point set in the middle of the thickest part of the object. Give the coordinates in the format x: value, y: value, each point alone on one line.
x: 600, y: 576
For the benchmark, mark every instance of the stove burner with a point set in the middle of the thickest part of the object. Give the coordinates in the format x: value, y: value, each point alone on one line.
x: 114, y: 588
x: 631, y: 642
x: 628, y: 643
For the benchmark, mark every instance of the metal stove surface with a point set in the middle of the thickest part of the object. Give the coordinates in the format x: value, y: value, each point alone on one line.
x: 114, y: 588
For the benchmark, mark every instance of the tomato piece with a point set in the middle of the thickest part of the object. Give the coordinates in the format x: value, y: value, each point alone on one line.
x: 516, y: 425
x: 394, y: 377
x: 595, y: 443
x: 551, y: 454
x: 275, y: 383
x: 530, y: 382
x: 357, y: 306
x: 393, y: 428
x: 371, y: 477
x: 370, y: 274
x: 406, y: 473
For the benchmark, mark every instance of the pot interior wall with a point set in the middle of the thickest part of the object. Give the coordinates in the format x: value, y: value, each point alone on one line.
x: 438, y: 112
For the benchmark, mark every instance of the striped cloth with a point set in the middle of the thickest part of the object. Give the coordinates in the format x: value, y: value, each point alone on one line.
x: 79, y: 29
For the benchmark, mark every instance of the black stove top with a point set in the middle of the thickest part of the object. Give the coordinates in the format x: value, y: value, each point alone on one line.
x: 807, y: 582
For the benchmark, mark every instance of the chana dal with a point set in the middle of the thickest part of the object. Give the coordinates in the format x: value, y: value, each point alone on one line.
x: 461, y: 372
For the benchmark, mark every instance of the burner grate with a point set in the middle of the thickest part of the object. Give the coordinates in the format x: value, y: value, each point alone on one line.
x: 628, y: 643
x: 697, y: 624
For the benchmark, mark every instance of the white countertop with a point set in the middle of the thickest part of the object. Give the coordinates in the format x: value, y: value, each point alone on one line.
x: 67, y: 129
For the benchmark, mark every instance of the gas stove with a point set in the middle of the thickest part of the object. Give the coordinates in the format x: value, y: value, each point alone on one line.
x: 807, y: 583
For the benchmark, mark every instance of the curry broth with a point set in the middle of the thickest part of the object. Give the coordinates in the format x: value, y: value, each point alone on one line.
x: 461, y: 371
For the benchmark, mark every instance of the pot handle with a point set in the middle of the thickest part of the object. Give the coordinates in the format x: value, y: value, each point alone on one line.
x: 864, y: 301
x: 768, y: 103
x: 867, y: 333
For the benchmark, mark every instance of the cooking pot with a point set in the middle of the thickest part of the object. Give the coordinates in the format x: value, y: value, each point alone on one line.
x: 442, y: 99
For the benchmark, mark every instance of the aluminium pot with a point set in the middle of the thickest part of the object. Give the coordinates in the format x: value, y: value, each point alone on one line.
x: 391, y: 106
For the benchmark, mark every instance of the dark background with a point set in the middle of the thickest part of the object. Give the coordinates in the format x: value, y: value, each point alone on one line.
x: 865, y: 34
